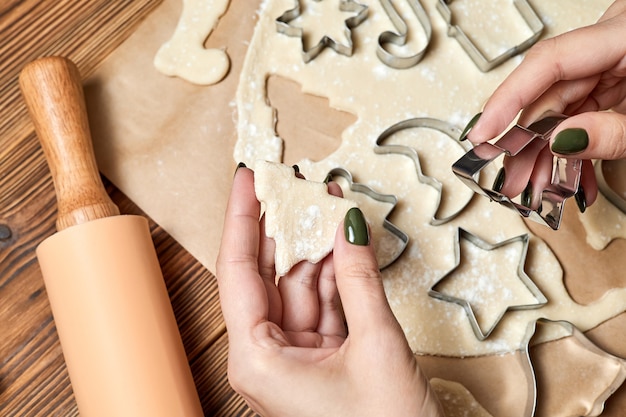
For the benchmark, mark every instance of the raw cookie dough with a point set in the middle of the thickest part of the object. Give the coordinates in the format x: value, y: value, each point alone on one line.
x: 300, y: 215
x: 445, y: 85
x: 456, y: 400
x: 184, y: 54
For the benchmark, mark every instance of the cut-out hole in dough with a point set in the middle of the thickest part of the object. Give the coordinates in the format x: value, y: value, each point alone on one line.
x: 308, y: 126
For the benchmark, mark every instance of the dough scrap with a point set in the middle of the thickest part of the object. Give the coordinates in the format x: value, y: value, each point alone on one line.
x: 300, y: 215
x: 184, y: 54
x: 456, y: 400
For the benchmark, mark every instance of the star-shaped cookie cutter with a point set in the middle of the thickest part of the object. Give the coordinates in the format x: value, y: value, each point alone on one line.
x: 283, y: 26
x: 383, y: 198
x: 524, y: 278
x: 400, y: 37
x: 565, y: 172
x: 480, y: 59
x: 429, y: 123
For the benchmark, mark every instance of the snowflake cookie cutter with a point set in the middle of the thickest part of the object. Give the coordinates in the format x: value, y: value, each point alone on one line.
x: 480, y: 333
x: 383, y: 198
x: 283, y: 26
x: 565, y: 172
x: 429, y: 123
x: 399, y: 37
x: 480, y: 59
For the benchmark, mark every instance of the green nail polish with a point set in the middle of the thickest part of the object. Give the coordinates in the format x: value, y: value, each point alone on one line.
x: 527, y: 195
x: 581, y: 200
x: 498, y: 183
x: 296, y: 168
x: 469, y: 127
x: 570, y: 141
x: 328, y: 179
x: 240, y: 165
x: 355, y: 228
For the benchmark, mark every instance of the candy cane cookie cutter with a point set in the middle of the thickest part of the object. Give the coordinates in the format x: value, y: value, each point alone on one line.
x: 480, y: 59
x: 399, y: 37
x: 283, y: 26
x: 383, y: 198
x: 451, y: 131
x: 565, y: 172
x: 479, y: 332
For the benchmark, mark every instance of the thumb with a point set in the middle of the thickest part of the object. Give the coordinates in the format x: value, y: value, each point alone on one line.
x: 592, y: 135
x: 358, y: 277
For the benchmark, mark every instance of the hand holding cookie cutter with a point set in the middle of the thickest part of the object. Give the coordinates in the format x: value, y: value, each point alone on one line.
x: 565, y: 172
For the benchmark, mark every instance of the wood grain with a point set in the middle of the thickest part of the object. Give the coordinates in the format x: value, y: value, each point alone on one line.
x: 33, y: 377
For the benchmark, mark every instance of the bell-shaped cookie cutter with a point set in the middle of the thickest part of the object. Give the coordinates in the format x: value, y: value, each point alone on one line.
x: 283, y: 26
x: 521, y: 273
x: 383, y: 198
x: 480, y: 59
x: 429, y: 123
x: 400, y: 37
x: 565, y: 172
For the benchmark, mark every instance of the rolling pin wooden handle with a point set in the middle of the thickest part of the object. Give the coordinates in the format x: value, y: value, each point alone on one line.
x: 54, y: 97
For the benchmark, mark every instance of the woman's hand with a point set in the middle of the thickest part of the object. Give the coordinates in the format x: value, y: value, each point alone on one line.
x: 290, y: 353
x: 581, y: 74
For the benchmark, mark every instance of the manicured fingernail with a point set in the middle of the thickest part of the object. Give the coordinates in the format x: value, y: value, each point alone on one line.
x: 328, y: 179
x: 240, y: 165
x: 469, y: 127
x: 296, y: 168
x: 570, y: 141
x: 527, y: 195
x: 581, y: 200
x: 498, y: 183
x: 355, y: 227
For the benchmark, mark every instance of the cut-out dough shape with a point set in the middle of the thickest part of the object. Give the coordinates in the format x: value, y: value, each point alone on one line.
x: 427, y: 123
x: 300, y: 215
x: 480, y: 284
x: 184, y: 54
x: 384, y: 255
x: 579, y: 376
x: 283, y: 25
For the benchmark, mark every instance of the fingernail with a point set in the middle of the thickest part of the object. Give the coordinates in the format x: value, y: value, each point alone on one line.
x: 527, y: 195
x: 328, y: 179
x: 355, y: 228
x: 469, y: 127
x: 581, y: 200
x: 240, y: 165
x: 570, y: 141
x: 498, y: 183
x: 296, y: 168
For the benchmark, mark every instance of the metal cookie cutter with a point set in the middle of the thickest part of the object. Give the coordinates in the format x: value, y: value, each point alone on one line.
x: 483, y: 62
x: 530, y: 285
x: 283, y: 26
x: 384, y: 198
x: 565, y: 172
x: 429, y: 123
x: 400, y: 38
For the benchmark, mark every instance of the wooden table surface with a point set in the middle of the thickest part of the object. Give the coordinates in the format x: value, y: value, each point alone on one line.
x: 33, y: 377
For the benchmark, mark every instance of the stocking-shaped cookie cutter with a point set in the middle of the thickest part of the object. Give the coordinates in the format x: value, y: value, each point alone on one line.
x: 565, y: 172
x: 283, y: 26
x: 483, y: 62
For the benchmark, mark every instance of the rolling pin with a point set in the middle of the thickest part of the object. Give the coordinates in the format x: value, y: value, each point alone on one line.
x: 117, y: 329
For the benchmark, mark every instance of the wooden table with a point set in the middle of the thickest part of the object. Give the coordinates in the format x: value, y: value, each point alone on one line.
x: 33, y: 377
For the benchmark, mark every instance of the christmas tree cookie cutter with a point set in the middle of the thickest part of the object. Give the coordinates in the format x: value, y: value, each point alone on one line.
x: 480, y: 59
x: 399, y: 37
x: 383, y: 198
x: 283, y: 26
x: 479, y: 332
x: 565, y: 172
x: 428, y: 123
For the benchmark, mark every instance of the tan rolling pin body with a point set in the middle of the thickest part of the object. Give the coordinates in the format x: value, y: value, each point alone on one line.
x: 110, y: 305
